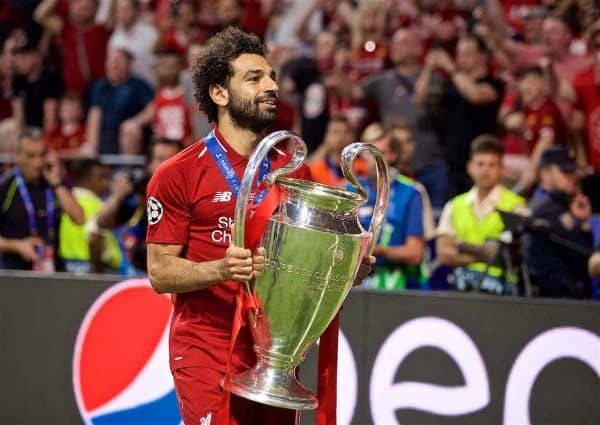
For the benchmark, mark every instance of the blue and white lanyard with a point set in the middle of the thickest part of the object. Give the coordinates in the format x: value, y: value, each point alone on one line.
x: 30, y: 210
x: 217, y: 152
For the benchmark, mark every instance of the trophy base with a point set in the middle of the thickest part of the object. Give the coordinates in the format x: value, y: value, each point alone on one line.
x: 269, y: 385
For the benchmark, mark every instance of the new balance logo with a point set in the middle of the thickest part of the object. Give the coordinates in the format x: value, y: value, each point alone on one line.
x: 207, y: 419
x: 222, y: 197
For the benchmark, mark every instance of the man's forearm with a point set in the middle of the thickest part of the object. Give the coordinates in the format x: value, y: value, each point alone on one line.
x: 172, y: 274
x: 69, y: 205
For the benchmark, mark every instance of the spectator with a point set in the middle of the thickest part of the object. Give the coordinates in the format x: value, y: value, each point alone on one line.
x: 369, y: 51
x: 402, y: 145
x: 168, y: 112
x: 83, y: 41
x: 335, y: 15
x: 534, y: 122
x: 401, y: 245
x: 133, y: 34
x: 125, y: 209
x: 395, y: 97
x: 7, y: 130
x: 557, y: 251
x: 36, y: 89
x: 470, y: 225
x: 115, y: 99
x: 32, y: 198
x: 68, y: 135
x: 91, y: 183
x: 470, y: 102
x: 184, y: 31
x: 300, y: 76
x: 200, y: 124
x: 587, y: 89
x: 325, y: 162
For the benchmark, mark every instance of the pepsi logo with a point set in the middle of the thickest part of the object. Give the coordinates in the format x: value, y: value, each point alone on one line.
x: 120, y: 365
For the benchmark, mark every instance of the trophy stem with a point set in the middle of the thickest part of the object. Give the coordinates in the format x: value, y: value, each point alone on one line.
x: 275, y: 384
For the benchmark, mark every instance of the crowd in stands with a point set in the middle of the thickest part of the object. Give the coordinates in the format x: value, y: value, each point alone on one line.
x: 487, y: 112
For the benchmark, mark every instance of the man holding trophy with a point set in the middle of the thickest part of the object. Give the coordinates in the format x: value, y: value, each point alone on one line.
x: 192, y: 249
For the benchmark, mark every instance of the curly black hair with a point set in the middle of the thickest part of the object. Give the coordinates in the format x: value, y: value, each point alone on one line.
x: 214, y: 64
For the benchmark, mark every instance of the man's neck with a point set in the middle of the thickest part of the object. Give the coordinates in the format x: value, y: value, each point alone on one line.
x: 406, y: 69
x: 242, y: 140
x: 483, y: 192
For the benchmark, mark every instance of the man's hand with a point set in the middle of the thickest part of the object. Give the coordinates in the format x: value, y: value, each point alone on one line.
x: 364, y: 269
x: 237, y: 264
x: 52, y: 171
x: 27, y: 248
x: 258, y: 263
x: 581, y: 207
x: 122, y: 186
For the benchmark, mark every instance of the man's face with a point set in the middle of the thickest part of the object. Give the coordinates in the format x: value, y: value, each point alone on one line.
x: 125, y: 12
x: 168, y: 69
x: 407, y: 143
x: 485, y: 169
x: 338, y: 136
x: 118, y: 67
x: 555, y: 34
x: 31, y: 158
x: 556, y: 180
x: 82, y: 11
x: 160, y: 153
x: 252, y: 92
x: 100, y: 180
x: 467, y: 55
x: 532, y: 88
x: 385, y: 147
x: 405, y: 47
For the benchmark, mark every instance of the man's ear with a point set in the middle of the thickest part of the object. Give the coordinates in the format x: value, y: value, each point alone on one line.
x: 219, y: 94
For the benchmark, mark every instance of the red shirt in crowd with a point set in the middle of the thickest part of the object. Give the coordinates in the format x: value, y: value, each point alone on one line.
x: 366, y: 60
x: 545, y: 116
x: 171, y: 118
x: 84, y: 54
x: 196, y: 210
x: 587, y: 88
x: 58, y: 140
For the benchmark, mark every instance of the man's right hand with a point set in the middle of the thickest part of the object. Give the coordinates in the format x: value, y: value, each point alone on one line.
x: 27, y: 248
x: 237, y: 264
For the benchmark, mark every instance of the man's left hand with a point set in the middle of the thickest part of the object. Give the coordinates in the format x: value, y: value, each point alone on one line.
x: 364, y: 269
x: 52, y: 171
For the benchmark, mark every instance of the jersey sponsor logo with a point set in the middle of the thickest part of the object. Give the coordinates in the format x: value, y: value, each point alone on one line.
x: 154, y: 210
x: 121, y: 361
x: 222, y: 197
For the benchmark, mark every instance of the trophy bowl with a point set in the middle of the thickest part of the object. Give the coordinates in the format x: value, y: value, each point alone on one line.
x: 314, y: 246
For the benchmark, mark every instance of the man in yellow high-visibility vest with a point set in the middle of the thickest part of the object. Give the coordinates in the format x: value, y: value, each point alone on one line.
x: 470, y: 226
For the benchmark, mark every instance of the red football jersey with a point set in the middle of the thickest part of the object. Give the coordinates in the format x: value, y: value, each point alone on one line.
x: 58, y: 140
x: 171, y: 118
x: 194, y: 207
x: 588, y: 100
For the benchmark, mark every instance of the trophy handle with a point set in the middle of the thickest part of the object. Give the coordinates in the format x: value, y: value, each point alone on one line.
x: 349, y: 154
x: 261, y: 151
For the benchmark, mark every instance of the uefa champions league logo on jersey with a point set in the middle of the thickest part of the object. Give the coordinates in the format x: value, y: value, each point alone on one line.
x: 121, y: 360
x: 154, y: 210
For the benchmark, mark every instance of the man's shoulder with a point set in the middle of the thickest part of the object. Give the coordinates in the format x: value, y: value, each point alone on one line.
x: 6, y: 180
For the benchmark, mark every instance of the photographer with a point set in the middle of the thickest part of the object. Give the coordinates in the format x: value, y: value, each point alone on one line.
x: 125, y: 209
x: 31, y: 200
x: 557, y: 253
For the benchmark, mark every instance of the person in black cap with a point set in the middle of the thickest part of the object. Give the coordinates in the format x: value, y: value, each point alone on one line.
x: 36, y: 89
x: 559, y: 242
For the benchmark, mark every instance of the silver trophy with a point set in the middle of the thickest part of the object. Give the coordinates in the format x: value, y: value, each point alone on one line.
x: 314, y: 246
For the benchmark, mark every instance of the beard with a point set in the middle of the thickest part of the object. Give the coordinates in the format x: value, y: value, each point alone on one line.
x: 246, y: 113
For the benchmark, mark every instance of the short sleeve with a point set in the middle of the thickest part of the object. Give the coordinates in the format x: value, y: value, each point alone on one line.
x: 445, y: 227
x: 145, y: 92
x: 414, y: 222
x: 167, y: 207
